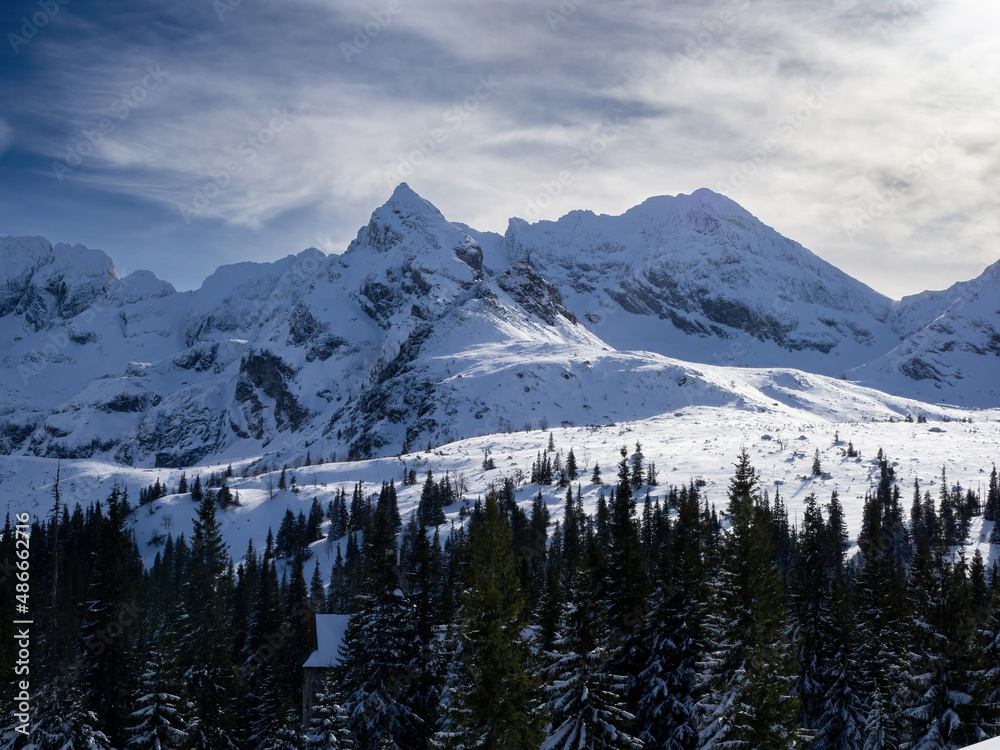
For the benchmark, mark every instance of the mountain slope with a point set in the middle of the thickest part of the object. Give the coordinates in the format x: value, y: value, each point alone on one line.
x: 697, y: 277
x: 950, y: 345
x: 425, y: 331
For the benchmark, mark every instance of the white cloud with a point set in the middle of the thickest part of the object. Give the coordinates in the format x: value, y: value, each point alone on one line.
x: 724, y: 97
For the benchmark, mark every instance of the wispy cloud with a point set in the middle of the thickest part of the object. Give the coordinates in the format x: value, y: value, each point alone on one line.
x: 698, y: 89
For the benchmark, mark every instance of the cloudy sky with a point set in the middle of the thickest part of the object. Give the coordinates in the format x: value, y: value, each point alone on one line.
x: 178, y: 135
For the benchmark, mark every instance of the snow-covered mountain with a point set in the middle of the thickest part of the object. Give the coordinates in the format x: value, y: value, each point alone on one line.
x: 425, y: 331
x: 709, y: 283
x: 950, y: 344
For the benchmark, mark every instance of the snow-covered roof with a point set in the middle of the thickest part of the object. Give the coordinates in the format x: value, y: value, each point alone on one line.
x: 330, y: 631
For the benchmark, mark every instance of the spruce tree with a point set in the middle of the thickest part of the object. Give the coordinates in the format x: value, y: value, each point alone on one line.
x: 379, y: 648
x: 584, y: 696
x: 991, y: 512
x: 206, y: 642
x: 880, y: 607
x: 110, y: 622
x: 62, y: 722
x: 328, y: 723
x: 750, y: 699
x: 497, y: 703
x: 627, y: 583
x: 944, y: 701
x: 158, y: 720
x: 668, y: 711
x: 636, y: 476
x: 197, y: 493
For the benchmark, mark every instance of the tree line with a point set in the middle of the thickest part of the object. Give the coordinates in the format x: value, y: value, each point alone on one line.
x: 654, y: 621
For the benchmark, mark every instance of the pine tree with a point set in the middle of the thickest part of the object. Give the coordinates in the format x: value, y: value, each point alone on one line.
x: 668, y: 711
x: 110, y: 622
x: 945, y: 706
x: 842, y: 723
x: 880, y: 610
x: 991, y: 512
x: 379, y: 649
x: 651, y: 476
x: 328, y: 724
x: 62, y: 722
x: 497, y: 700
x: 637, y: 470
x: 572, y: 471
x: 750, y: 700
x: 314, y: 522
x: 158, y: 716
x: 817, y: 467
x: 317, y: 592
x: 584, y: 697
x: 627, y: 584
x: 429, y: 509
x: 206, y: 642
x: 831, y: 705
x: 423, y: 575
x: 595, y: 477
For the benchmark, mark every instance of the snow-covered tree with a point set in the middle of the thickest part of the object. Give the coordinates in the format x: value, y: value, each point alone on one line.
x: 667, y: 711
x: 379, y: 648
x: 749, y: 700
x: 496, y: 706
x: 328, y: 724
x: 158, y: 721
x: 61, y: 720
x: 584, y: 698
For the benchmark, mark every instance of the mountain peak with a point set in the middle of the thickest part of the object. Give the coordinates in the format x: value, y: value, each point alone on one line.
x: 408, y: 222
x: 694, y: 208
x: 405, y: 202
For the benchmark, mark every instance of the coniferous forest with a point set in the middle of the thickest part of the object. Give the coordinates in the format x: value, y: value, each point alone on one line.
x: 658, y: 620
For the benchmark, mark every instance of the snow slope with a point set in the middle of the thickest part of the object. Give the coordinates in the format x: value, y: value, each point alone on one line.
x: 951, y: 343
x: 688, y: 443
x: 697, y: 277
x: 427, y: 331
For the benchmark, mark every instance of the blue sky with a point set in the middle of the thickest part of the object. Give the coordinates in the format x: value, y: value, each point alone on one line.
x: 181, y: 135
